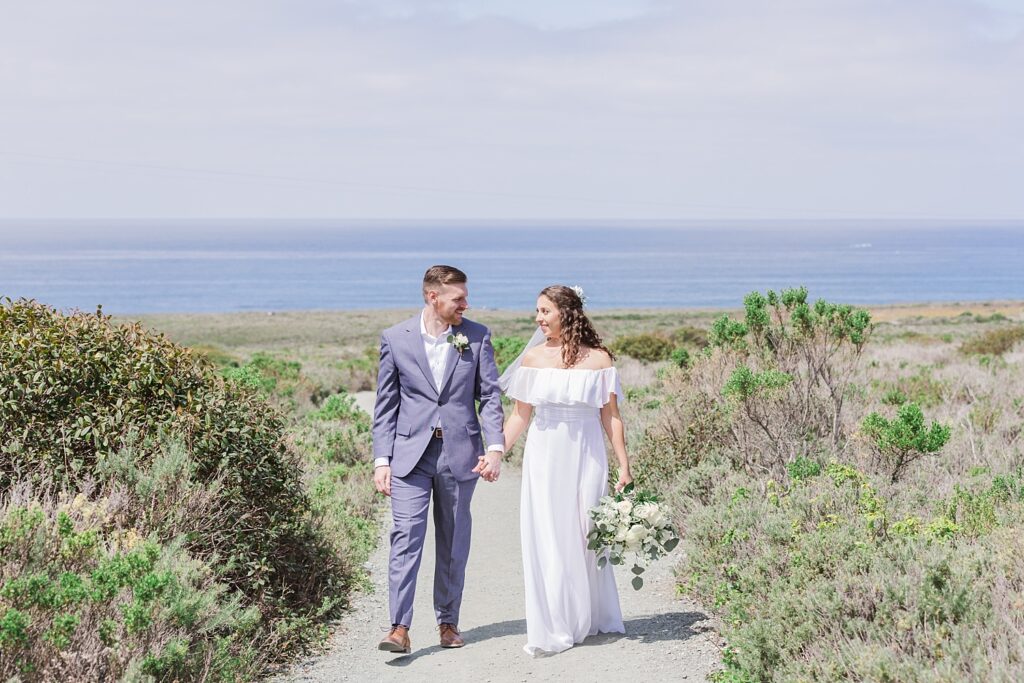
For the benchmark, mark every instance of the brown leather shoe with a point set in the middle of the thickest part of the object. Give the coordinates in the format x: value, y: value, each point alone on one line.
x: 450, y: 636
x: 397, y: 641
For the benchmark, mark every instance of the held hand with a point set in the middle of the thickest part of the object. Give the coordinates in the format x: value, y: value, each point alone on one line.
x: 489, y: 466
x: 624, y: 478
x: 382, y: 479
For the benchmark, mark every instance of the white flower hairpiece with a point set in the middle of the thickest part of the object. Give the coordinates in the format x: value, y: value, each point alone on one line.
x: 580, y: 294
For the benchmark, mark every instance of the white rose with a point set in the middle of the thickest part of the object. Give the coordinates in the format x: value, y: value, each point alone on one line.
x: 645, y: 510
x: 635, y: 536
x: 620, y: 533
x: 624, y: 506
x: 656, y: 518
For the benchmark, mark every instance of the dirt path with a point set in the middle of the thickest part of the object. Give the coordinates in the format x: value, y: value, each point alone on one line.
x: 667, y: 638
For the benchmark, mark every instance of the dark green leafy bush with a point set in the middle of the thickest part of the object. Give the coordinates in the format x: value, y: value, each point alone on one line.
x: 904, y: 439
x: 76, y: 390
x: 690, y: 336
x: 506, y: 349
x: 643, y: 347
x: 680, y: 357
x: 994, y: 342
x: 337, y: 407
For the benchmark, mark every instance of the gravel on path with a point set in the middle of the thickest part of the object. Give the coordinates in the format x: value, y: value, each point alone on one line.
x: 668, y: 638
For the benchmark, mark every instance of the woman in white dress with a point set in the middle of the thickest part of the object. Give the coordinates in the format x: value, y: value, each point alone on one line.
x: 570, y: 388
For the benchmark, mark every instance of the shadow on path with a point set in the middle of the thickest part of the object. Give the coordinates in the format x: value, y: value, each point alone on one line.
x: 656, y: 628
x: 473, y: 636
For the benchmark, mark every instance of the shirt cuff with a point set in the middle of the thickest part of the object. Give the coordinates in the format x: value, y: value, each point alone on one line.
x: 500, y: 447
x: 378, y: 462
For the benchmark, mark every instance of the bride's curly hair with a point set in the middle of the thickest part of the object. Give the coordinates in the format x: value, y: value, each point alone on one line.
x: 577, y: 330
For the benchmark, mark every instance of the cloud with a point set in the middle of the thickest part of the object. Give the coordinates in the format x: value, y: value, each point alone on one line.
x: 727, y: 108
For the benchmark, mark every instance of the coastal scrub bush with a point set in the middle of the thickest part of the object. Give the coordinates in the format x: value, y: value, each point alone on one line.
x: 506, y: 350
x: 994, y: 342
x: 687, y: 335
x: 277, y: 379
x: 904, y: 439
x: 837, y: 579
x: 921, y: 387
x: 680, y: 357
x: 76, y: 391
x: 838, y: 559
x: 782, y: 375
x: 337, y: 407
x: 100, y: 585
x: 359, y: 373
x: 646, y: 347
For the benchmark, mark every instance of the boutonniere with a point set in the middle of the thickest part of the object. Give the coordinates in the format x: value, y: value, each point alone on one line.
x: 459, y: 341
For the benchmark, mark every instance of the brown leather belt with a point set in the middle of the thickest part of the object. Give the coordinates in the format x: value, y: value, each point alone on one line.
x: 438, y: 434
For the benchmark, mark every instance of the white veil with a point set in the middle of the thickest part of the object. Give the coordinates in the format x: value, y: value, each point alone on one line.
x: 537, y: 339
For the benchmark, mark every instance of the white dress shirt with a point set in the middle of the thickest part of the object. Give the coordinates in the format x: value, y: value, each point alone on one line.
x: 436, y: 349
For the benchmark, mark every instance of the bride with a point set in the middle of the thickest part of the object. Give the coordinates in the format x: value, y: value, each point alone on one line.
x: 567, y: 383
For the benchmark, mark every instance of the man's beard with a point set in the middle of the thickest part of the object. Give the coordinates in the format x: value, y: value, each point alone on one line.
x: 451, y: 319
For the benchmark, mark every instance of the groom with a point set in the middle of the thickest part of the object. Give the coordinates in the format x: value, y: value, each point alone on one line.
x: 426, y: 442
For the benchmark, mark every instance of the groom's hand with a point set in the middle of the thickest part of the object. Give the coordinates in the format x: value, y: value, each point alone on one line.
x: 489, y: 466
x: 382, y: 479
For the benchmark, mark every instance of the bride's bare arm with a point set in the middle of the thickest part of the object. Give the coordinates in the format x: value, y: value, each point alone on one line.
x: 516, y: 423
x: 616, y: 431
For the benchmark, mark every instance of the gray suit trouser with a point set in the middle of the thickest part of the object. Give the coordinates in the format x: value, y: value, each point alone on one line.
x: 410, y: 502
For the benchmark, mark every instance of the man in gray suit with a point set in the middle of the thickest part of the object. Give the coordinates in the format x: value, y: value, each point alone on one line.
x: 427, y: 441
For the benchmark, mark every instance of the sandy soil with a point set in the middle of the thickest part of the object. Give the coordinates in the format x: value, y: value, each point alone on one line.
x: 667, y: 637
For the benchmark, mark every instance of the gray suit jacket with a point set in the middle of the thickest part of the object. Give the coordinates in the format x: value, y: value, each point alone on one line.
x: 408, y: 403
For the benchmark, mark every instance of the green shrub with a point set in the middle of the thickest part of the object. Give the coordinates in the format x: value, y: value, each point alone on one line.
x: 803, y: 468
x: 727, y: 333
x: 687, y: 430
x: 813, y: 583
x: 690, y: 336
x: 994, y: 342
x: 643, y: 347
x: 107, y: 577
x: 680, y: 357
x: 337, y: 407
x: 278, y: 379
x: 894, y: 397
x: 787, y: 369
x: 81, y: 398
x: 360, y: 373
x: 86, y: 596
x: 905, y: 439
x: 506, y: 350
x: 216, y: 355
x: 744, y: 384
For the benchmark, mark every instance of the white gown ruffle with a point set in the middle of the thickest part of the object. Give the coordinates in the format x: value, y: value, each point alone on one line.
x: 565, y: 474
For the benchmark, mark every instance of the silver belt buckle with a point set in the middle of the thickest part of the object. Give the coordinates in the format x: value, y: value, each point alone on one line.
x: 438, y: 434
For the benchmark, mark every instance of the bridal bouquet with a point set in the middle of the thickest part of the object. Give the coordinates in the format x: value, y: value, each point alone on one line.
x: 631, y: 522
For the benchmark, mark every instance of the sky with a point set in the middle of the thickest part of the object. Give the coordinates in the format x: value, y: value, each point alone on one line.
x: 512, y: 109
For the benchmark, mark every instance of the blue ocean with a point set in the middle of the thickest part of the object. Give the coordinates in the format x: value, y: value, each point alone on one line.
x: 206, y: 266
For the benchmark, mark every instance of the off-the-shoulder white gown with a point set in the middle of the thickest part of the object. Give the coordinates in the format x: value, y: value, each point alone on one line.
x: 565, y: 473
